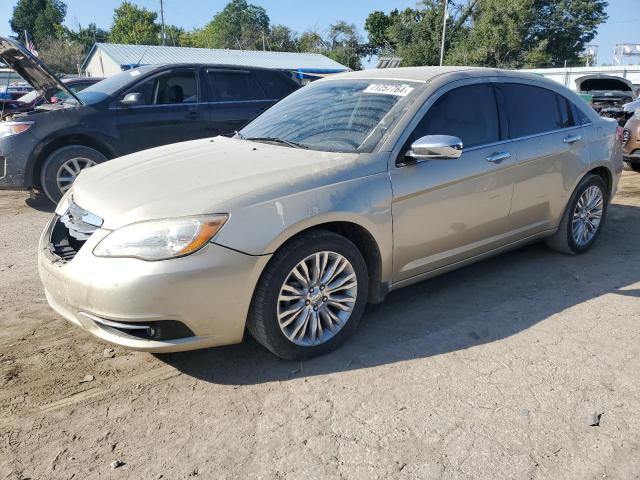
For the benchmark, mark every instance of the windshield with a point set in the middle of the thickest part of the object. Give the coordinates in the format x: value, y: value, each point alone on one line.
x: 336, y: 115
x: 108, y: 87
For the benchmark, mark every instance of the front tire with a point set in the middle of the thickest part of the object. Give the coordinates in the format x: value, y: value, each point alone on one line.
x: 310, y: 297
x: 583, y: 218
x: 61, y: 168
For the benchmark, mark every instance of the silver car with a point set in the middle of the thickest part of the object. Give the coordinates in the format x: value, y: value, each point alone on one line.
x: 354, y: 186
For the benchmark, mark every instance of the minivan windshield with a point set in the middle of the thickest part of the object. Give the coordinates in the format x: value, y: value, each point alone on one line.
x: 109, y: 86
x: 350, y: 115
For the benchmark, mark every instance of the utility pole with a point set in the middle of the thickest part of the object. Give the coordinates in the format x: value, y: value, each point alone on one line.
x: 444, y: 29
x: 162, y: 20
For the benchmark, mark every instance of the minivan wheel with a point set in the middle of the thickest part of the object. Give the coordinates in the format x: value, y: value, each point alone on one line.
x: 583, y: 218
x: 310, y: 297
x: 61, y: 168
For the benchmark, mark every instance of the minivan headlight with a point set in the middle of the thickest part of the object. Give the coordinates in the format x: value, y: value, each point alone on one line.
x: 161, y: 239
x: 13, y: 128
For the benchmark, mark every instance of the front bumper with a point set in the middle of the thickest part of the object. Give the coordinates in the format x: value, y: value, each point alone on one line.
x: 15, y: 152
x: 209, y: 291
x: 633, y: 157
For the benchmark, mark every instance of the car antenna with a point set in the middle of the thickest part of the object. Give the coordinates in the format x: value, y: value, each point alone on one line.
x: 142, y: 56
x: 6, y: 93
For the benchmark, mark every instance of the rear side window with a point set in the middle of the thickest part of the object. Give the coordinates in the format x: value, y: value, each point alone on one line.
x: 469, y: 113
x: 533, y: 110
x: 275, y: 84
x: 230, y: 86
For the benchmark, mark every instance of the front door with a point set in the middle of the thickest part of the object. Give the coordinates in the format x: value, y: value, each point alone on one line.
x: 170, y: 112
x: 447, y: 210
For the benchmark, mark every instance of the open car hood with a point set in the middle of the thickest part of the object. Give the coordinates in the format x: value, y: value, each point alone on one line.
x: 31, y: 69
x: 604, y: 83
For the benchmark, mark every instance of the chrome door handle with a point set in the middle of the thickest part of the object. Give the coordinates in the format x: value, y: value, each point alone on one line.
x: 498, y: 157
x: 572, y: 139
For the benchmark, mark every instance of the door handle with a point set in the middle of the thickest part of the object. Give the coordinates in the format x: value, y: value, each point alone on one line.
x: 572, y: 139
x: 498, y: 157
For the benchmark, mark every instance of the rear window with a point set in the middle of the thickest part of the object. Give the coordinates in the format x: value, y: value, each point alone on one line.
x: 275, y: 84
x: 532, y: 110
x: 229, y: 86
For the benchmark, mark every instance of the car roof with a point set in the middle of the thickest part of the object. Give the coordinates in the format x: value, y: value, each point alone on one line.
x: 426, y: 74
x: 223, y: 66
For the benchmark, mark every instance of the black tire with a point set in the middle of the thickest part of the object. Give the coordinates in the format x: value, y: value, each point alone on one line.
x: 263, y: 323
x: 563, y: 241
x: 55, y: 161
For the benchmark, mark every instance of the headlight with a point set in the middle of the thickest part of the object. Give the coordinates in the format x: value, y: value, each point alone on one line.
x: 161, y: 239
x: 13, y: 128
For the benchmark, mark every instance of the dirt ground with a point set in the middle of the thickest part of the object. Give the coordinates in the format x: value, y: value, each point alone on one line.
x: 523, y: 366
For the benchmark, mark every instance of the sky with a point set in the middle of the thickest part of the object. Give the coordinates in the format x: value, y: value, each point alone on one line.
x: 623, y: 25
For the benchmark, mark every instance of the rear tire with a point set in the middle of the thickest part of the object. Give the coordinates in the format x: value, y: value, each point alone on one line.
x: 569, y: 238
x: 322, y: 324
x: 62, y: 167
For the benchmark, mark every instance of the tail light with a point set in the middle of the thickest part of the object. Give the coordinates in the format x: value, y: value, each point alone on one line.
x: 620, y: 134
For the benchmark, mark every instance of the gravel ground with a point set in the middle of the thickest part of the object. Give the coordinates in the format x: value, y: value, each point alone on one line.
x: 523, y: 366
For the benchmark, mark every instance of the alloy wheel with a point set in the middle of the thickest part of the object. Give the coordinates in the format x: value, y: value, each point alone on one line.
x: 587, y: 215
x: 69, y: 170
x: 317, y: 298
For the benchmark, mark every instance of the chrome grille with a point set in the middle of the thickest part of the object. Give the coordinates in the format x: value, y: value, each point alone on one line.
x: 79, y: 222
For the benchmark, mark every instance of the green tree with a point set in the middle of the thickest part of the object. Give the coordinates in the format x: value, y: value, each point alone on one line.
x: 86, y: 37
x: 281, y: 39
x: 239, y: 25
x: 344, y: 45
x: 135, y: 25
x: 565, y: 27
x: 41, y: 18
x: 498, y: 35
x: 312, y: 42
x: 62, y: 55
x: 377, y: 25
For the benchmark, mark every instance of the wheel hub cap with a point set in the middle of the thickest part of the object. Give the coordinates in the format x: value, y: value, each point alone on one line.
x: 69, y: 170
x: 317, y: 298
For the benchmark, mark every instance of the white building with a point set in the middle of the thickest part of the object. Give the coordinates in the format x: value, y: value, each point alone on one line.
x: 106, y: 59
x: 568, y: 76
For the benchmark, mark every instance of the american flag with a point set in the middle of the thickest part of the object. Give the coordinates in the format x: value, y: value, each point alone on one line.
x: 28, y: 40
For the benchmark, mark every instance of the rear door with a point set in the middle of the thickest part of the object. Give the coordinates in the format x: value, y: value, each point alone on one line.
x: 445, y: 211
x: 171, y: 111
x: 551, y: 152
x: 235, y: 98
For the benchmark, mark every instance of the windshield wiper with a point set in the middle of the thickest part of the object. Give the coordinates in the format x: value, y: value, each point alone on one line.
x: 277, y: 140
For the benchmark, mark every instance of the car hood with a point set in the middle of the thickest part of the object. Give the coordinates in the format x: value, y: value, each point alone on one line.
x: 31, y: 69
x: 208, y: 176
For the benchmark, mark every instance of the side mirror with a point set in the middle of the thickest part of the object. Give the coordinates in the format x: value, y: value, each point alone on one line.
x: 436, y: 147
x: 131, y: 99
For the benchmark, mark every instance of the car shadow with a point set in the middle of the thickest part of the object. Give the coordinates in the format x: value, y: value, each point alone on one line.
x: 478, y: 304
x: 39, y: 201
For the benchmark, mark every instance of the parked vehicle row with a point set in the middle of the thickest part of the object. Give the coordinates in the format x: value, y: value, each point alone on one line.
x: 138, y: 109
x: 608, y: 95
x: 349, y: 188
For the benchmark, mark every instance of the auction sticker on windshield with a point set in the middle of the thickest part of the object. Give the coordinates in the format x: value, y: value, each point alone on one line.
x: 386, y: 89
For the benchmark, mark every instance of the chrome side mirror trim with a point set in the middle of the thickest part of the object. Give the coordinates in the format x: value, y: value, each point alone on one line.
x: 436, y: 147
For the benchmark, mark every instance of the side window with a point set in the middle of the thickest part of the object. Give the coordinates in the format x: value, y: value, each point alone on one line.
x: 532, y: 110
x: 274, y: 84
x: 228, y: 86
x: 469, y: 113
x: 168, y: 89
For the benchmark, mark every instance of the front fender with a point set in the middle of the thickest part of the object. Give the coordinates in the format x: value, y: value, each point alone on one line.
x: 261, y: 229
